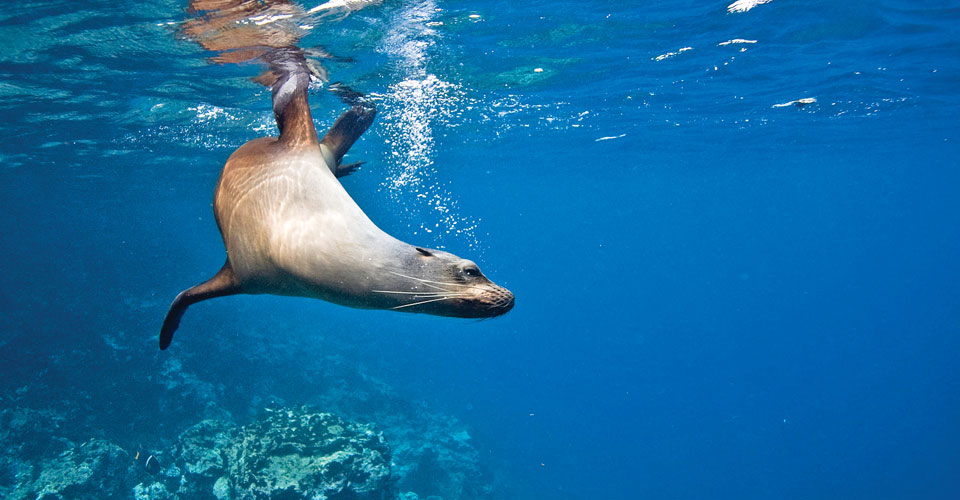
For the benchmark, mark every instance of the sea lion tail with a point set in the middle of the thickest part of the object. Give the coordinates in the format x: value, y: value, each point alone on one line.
x: 221, y: 284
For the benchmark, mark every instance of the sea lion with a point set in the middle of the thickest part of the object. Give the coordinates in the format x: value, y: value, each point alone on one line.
x: 290, y: 228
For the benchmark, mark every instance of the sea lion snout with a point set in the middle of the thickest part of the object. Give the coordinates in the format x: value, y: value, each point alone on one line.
x: 487, y: 301
x: 502, y: 301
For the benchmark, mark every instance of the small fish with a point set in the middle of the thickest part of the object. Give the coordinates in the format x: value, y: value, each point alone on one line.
x: 147, y: 460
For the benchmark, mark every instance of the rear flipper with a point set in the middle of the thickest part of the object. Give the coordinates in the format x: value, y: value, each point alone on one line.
x: 345, y: 170
x: 350, y: 96
x: 223, y: 283
x: 344, y: 132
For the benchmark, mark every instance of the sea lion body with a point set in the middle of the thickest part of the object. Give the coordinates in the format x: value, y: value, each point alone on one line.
x: 290, y: 228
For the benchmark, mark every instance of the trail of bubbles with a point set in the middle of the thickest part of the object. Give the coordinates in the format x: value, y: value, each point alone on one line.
x: 413, y: 108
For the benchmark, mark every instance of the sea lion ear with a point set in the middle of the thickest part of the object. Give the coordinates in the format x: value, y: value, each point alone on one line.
x: 424, y: 252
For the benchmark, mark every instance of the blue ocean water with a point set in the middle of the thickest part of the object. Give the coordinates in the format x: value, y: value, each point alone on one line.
x: 721, y: 292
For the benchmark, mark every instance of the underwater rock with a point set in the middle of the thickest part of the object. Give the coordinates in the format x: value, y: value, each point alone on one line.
x: 289, y: 453
x: 300, y: 453
x: 433, y: 455
x: 152, y: 491
x: 203, y: 453
x: 204, y: 448
x: 152, y: 399
x: 94, y: 470
x: 31, y: 434
x: 409, y: 495
x: 37, y: 464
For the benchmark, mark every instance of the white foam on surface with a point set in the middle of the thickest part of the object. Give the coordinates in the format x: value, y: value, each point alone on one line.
x: 672, y: 54
x: 745, y: 5
x: 736, y: 41
x: 798, y: 102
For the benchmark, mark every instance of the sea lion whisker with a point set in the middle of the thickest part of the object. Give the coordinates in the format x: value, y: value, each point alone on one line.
x: 423, y: 302
x: 423, y: 294
x: 435, y: 287
x: 424, y: 280
x: 430, y: 295
x: 427, y: 282
x: 440, y: 288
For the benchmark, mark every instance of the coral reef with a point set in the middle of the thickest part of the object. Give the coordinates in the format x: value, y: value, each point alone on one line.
x: 434, y: 456
x: 287, y: 453
x: 310, y: 454
x: 433, y: 453
x: 136, y: 396
x: 37, y: 464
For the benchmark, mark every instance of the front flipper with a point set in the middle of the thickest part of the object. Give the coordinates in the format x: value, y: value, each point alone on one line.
x: 223, y: 283
x: 344, y: 132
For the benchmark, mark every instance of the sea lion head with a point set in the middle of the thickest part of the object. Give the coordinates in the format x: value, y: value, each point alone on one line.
x: 443, y: 284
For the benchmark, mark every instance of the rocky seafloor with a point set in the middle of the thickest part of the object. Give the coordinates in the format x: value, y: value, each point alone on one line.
x: 80, y: 423
x: 286, y: 453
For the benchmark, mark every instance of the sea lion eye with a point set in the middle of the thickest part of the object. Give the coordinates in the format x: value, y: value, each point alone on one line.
x: 424, y: 252
x: 472, y: 272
